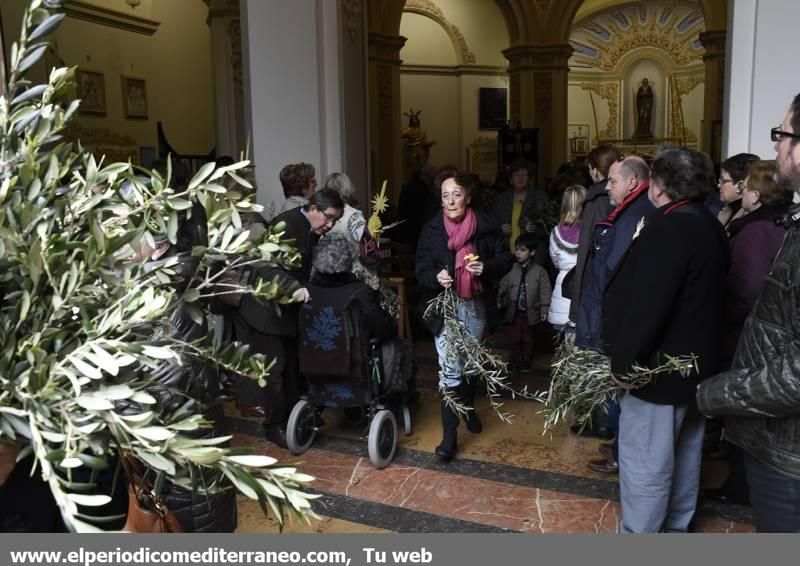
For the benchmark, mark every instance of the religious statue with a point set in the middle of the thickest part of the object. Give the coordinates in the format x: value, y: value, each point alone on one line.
x: 644, y: 110
x: 416, y: 147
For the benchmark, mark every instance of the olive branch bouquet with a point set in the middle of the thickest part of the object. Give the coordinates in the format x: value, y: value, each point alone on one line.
x: 480, y: 362
x: 581, y: 382
x: 80, y: 349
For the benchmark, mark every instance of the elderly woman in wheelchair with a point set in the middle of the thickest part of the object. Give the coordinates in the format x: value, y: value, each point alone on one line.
x: 350, y: 357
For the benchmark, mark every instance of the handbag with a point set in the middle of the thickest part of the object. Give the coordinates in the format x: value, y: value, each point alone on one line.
x: 146, y: 511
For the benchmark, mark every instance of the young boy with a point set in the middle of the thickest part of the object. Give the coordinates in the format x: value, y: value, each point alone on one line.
x: 524, y: 294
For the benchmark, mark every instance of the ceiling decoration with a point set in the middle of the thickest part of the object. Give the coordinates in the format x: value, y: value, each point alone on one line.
x: 603, y: 38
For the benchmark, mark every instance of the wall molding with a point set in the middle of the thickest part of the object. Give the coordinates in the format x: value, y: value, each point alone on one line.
x: 110, y: 18
x: 430, y: 10
x: 457, y: 70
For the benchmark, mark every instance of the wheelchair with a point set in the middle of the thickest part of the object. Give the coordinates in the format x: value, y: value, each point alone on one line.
x: 345, y: 370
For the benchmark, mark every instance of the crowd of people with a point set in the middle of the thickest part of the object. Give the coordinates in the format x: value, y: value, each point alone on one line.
x: 635, y: 257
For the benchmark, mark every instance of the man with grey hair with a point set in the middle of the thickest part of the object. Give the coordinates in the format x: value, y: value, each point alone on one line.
x: 664, y: 300
x: 760, y: 395
x: 627, y: 190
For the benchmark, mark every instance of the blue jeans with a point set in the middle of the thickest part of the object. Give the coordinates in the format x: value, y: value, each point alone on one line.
x: 660, y: 448
x: 775, y: 498
x: 451, y: 364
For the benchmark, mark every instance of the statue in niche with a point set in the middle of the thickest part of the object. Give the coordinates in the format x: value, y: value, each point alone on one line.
x: 644, y: 111
x: 416, y: 147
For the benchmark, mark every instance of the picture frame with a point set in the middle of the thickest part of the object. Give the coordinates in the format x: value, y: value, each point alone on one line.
x: 578, y: 136
x: 492, y: 108
x: 92, y: 92
x: 134, y: 98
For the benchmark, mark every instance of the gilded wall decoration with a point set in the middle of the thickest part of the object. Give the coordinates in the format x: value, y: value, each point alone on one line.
x: 679, y: 87
x: 601, y: 40
x: 352, y: 11
x: 610, y: 93
x: 432, y: 11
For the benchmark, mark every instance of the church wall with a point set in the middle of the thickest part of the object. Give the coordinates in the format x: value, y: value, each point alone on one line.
x: 428, y: 43
x: 483, y: 27
x: 175, y: 63
x: 453, y: 48
x: 761, y: 81
x: 616, y: 47
x: 438, y: 97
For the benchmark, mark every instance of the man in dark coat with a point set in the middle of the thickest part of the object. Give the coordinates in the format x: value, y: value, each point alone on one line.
x: 596, y: 208
x: 272, y: 330
x: 663, y: 300
x: 627, y: 190
x: 760, y: 395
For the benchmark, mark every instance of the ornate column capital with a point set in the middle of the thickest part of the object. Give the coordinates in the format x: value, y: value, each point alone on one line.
x: 538, y: 57
x: 714, y: 43
x: 385, y: 48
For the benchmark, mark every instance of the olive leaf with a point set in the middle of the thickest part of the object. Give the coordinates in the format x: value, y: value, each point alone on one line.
x: 82, y: 323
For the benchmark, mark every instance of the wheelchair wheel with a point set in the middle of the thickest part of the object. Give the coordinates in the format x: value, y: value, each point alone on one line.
x: 300, y: 430
x: 382, y: 441
x: 405, y: 413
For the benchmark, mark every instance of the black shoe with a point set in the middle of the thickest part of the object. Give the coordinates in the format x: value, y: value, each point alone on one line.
x: 276, y: 433
x: 446, y: 450
x: 588, y: 431
x: 723, y: 496
x: 471, y: 416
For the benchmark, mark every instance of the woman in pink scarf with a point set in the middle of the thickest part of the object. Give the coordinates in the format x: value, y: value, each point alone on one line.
x: 464, y: 249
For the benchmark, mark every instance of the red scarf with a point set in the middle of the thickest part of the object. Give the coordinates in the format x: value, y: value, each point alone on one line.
x: 459, y: 241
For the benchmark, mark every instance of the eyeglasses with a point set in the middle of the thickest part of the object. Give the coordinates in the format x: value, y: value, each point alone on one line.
x: 332, y: 218
x: 776, y: 134
x: 723, y: 180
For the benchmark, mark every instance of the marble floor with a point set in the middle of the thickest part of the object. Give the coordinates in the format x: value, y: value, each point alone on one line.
x: 509, y: 478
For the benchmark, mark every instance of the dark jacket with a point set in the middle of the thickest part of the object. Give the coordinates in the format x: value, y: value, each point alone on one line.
x: 760, y: 395
x: 596, y: 208
x: 612, y: 238
x: 433, y: 255
x: 503, y: 205
x: 755, y: 242
x: 270, y: 318
x: 195, y: 511
x: 340, y: 289
x: 664, y: 299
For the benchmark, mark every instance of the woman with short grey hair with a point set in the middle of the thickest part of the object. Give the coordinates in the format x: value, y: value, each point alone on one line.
x: 352, y: 222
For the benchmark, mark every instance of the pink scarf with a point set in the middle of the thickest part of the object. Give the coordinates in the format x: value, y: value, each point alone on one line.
x: 459, y: 236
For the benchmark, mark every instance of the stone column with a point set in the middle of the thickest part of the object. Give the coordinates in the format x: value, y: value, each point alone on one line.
x: 714, y: 97
x: 385, y: 126
x: 538, y: 99
x: 226, y: 53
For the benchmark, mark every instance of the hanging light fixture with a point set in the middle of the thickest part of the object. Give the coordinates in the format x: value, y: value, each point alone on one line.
x: 133, y: 3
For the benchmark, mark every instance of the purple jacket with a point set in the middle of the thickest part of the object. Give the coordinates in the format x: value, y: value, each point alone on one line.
x: 756, y: 240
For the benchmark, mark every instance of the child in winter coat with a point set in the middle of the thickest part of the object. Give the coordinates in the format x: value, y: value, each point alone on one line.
x: 564, y: 253
x: 524, y: 295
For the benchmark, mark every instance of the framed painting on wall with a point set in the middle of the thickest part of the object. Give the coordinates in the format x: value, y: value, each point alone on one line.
x: 134, y: 97
x: 578, y: 137
x: 92, y: 92
x: 492, y: 108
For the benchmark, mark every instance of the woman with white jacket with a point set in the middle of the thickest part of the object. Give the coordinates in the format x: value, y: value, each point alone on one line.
x: 564, y: 253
